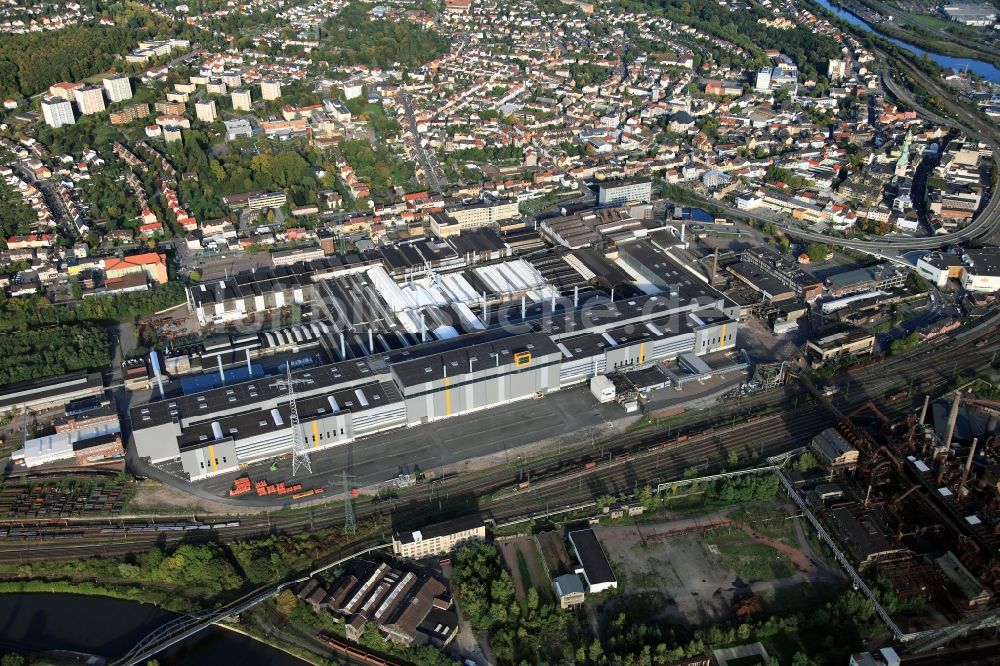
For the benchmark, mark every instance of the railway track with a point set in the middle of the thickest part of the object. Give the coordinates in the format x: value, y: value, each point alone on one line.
x: 640, y: 458
x: 634, y: 460
x: 665, y: 460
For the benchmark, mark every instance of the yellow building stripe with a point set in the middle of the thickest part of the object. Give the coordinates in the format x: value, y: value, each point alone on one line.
x: 447, y: 396
x: 315, y: 435
x: 722, y: 337
x: 642, y: 352
x: 211, y: 458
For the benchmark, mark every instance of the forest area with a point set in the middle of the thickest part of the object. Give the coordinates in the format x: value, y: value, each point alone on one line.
x: 39, y: 339
x: 55, y: 350
x: 31, y: 62
x: 810, y: 51
x: 352, y: 37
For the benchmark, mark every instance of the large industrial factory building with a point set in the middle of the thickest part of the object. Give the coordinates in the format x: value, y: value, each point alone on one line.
x: 412, y: 350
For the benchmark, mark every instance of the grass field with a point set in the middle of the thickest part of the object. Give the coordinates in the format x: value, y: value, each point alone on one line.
x: 526, y: 569
x: 934, y: 21
x: 747, y: 559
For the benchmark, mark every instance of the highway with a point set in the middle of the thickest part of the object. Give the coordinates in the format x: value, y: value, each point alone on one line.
x: 985, y: 226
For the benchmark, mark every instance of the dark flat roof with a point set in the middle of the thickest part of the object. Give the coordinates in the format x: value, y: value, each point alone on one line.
x: 322, y: 379
x: 260, y: 421
x: 624, y: 182
x: 452, y: 526
x: 760, y: 280
x: 69, y: 386
x: 669, y: 271
x: 595, y: 562
x: 413, y: 367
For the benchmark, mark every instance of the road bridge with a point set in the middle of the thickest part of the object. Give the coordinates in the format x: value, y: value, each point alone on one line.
x: 186, y: 626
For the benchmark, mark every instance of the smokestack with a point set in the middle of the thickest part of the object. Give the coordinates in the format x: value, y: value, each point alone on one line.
x: 576, y: 296
x: 249, y: 369
x: 612, y: 294
x: 371, y: 341
x: 682, y: 231
x: 524, y: 307
x: 952, y: 418
x: 423, y: 327
x: 343, y: 347
x: 715, y: 266
x: 923, y: 411
x: 222, y: 375
x: 154, y: 360
x: 968, y: 467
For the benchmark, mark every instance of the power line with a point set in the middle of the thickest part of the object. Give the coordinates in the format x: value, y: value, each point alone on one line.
x: 300, y: 451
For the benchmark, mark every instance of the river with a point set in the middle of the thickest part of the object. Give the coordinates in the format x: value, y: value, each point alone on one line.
x: 111, y: 627
x: 980, y: 67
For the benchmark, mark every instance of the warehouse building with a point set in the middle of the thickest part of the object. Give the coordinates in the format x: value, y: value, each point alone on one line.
x: 50, y: 392
x: 805, y: 285
x: 419, y: 349
x: 840, y: 340
x: 475, y: 377
x: 594, y: 563
x: 88, y: 445
x: 214, y: 431
x: 982, y: 273
x: 833, y: 450
x: 881, y: 277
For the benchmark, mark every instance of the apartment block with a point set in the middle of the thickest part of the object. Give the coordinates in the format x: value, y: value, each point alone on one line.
x: 241, y: 99
x: 89, y: 99
x: 118, y: 88
x: 57, y: 112
x: 205, y: 111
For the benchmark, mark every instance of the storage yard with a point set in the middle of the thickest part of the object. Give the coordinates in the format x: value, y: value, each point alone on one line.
x: 703, y: 567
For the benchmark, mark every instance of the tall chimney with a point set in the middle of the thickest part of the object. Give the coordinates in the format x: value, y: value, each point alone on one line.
x: 923, y: 411
x: 371, y: 341
x: 952, y: 418
x: 222, y: 375
x: 154, y: 360
x: 524, y: 306
x: 715, y: 266
x: 249, y: 369
x: 576, y: 296
x: 968, y: 467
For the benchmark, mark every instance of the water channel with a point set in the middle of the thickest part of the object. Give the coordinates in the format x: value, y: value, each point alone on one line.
x: 980, y: 67
x: 111, y: 627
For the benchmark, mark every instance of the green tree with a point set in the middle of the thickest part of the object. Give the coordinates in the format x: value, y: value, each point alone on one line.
x: 286, y: 602
x: 807, y: 461
x: 817, y: 251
